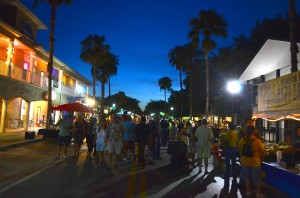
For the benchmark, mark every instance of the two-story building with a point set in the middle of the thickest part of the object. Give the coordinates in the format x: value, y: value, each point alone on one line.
x: 23, y: 71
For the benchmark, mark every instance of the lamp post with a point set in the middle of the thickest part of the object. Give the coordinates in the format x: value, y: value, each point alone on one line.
x: 234, y: 88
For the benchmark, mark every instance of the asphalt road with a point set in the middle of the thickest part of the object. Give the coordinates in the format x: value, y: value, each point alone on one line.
x: 32, y: 171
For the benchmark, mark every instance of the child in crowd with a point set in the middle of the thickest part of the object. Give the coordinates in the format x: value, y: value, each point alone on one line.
x: 216, y: 155
x: 101, y: 141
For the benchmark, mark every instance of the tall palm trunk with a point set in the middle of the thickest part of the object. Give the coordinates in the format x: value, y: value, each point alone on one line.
x: 165, y: 102
x: 293, y: 42
x: 50, y: 66
x: 207, y: 83
x: 102, y: 97
x: 191, y: 96
x: 181, y: 97
x: 94, y: 80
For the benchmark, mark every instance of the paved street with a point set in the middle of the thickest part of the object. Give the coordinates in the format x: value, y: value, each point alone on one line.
x: 31, y: 171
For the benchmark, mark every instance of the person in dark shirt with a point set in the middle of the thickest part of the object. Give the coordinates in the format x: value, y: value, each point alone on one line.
x: 216, y: 131
x: 164, y: 125
x: 180, y: 125
x: 142, y: 132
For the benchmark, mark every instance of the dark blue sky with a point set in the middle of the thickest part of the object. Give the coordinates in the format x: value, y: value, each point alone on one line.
x: 141, y: 33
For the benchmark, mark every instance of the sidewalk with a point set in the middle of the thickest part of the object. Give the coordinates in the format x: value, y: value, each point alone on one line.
x: 16, y: 137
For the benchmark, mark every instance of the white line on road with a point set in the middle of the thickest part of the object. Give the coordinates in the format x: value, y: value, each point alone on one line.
x: 27, y: 177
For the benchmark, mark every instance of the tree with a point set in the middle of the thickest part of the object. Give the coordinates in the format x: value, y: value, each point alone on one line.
x: 124, y: 102
x: 104, y: 71
x: 294, y: 47
x: 53, y: 4
x: 165, y: 83
x: 208, y: 23
x: 93, y: 51
x: 176, y: 58
x: 155, y: 106
x: 191, y: 60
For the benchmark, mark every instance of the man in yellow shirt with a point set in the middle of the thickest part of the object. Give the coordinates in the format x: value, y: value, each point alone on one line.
x: 251, y: 166
x: 231, y: 141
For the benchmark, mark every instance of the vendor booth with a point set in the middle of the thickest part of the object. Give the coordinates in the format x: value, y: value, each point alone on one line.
x: 275, y: 102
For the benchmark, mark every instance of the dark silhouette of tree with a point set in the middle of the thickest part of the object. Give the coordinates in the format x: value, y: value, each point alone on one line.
x: 104, y: 71
x: 177, y: 58
x: 208, y: 24
x: 165, y: 83
x: 155, y: 106
x: 93, y: 51
x: 123, y: 102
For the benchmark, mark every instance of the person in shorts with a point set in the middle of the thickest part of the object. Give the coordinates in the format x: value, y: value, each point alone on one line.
x: 101, y: 141
x: 115, y: 132
x: 64, y: 135
x: 204, y: 135
x: 251, y: 166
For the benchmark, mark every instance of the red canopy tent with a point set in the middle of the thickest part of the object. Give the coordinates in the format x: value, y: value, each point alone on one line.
x: 74, y: 107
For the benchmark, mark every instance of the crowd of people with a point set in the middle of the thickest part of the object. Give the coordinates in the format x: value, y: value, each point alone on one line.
x: 122, y: 136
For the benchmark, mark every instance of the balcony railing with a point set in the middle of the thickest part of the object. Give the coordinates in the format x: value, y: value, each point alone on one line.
x: 35, y: 78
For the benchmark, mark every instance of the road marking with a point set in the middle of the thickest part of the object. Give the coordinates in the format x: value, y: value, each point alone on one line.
x: 2, y: 190
x: 131, y: 183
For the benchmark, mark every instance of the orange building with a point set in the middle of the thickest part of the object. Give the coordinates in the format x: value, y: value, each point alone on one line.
x: 23, y: 71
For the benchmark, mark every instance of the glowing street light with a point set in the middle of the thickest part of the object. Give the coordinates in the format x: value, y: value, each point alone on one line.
x: 234, y: 87
x: 91, y: 102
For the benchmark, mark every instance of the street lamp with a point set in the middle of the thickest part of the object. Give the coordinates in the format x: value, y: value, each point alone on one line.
x: 91, y: 102
x: 234, y: 87
x: 172, y: 108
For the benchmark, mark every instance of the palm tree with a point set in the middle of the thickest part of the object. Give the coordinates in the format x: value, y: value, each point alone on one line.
x: 208, y: 23
x: 293, y: 40
x: 165, y: 83
x: 191, y: 59
x: 176, y: 58
x: 93, y: 51
x: 103, y: 73
x: 54, y: 4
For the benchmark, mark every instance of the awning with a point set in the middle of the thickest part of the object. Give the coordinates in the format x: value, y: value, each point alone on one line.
x: 277, y: 115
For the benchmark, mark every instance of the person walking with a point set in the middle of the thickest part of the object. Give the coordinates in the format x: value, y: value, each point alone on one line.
x: 164, y: 125
x: 156, y: 125
x: 204, y: 136
x: 78, y: 135
x: 151, y: 143
x: 101, y: 141
x: 142, y: 132
x: 231, y: 151
x: 251, y: 166
x: 115, y: 131
x: 128, y: 136
x: 64, y: 135
x: 90, y: 136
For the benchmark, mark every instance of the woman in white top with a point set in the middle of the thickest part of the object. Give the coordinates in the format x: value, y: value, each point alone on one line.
x: 101, y: 141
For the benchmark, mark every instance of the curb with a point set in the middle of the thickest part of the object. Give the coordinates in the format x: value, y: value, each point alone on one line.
x: 13, y: 145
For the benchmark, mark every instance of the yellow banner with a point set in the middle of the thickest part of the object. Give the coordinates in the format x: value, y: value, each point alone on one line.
x: 280, y: 93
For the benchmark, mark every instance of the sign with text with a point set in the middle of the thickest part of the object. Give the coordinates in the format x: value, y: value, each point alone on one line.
x: 280, y: 94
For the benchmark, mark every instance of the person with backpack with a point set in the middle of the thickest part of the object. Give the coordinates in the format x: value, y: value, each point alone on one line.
x: 251, y: 152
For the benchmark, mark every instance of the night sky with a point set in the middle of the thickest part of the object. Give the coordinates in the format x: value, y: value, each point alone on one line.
x: 141, y: 33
